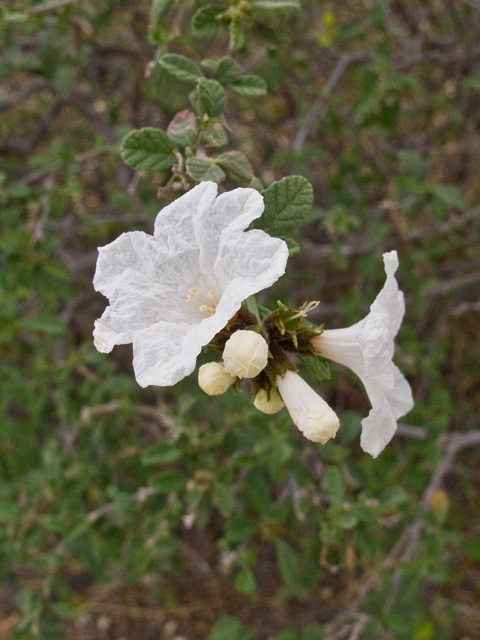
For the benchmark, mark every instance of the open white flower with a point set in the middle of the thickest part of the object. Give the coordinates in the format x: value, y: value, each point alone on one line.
x: 367, y: 349
x: 172, y: 292
x: 310, y: 413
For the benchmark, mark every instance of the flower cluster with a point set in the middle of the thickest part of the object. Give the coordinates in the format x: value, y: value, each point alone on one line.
x: 175, y: 292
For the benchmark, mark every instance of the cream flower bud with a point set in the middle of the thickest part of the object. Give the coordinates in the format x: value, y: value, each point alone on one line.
x: 263, y: 404
x: 310, y: 413
x: 245, y: 354
x: 213, y: 379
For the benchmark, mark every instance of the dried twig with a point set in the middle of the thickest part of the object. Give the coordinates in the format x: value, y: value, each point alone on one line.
x: 49, y: 6
x: 327, y: 89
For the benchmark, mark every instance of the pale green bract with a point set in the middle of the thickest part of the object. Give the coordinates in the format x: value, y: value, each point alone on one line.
x: 172, y: 292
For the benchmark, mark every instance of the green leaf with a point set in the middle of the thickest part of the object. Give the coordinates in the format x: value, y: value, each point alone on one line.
x: 236, y: 163
x: 214, y: 136
x: 160, y: 452
x: 182, y: 130
x: 319, y: 367
x: 231, y: 628
x: 148, y: 149
x: 224, y: 498
x: 245, y: 581
x: 288, y: 562
x: 413, y: 162
x: 181, y: 67
x: 158, y: 9
x: 448, y: 194
x: 205, y: 22
x: 167, y: 481
x: 472, y: 80
x: 287, y: 203
x: 47, y: 323
x: 293, y: 247
x: 239, y: 528
x: 312, y: 631
x: 204, y: 169
x: 227, y: 70
x: 250, y: 85
x: 212, y: 97
x: 276, y: 4
x: 237, y: 35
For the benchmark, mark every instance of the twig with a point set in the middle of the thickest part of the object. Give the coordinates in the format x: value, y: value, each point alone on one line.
x: 327, y: 89
x: 408, y: 431
x: 48, y: 6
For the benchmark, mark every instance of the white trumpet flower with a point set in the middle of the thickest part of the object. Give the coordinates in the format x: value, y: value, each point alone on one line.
x: 309, y: 412
x: 367, y: 349
x: 172, y: 292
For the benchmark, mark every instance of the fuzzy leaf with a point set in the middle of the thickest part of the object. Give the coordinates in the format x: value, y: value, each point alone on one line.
x: 448, y: 194
x: 236, y: 163
x: 148, y: 149
x: 250, y: 85
x: 319, y: 367
x: 182, y: 130
x: 287, y: 203
x: 205, y: 23
x: 288, y: 562
x: 214, y: 136
x: 212, y: 97
x: 181, y: 67
x: 204, y: 169
x: 227, y: 70
x: 237, y: 35
x: 158, y: 8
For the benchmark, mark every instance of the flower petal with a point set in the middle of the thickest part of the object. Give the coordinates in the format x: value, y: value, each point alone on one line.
x: 170, y: 294
x: 367, y: 349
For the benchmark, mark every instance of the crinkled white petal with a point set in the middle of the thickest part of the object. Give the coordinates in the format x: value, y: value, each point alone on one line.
x: 367, y: 349
x: 199, y: 244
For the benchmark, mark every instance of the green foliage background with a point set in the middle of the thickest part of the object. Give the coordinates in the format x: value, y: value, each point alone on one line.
x: 162, y: 513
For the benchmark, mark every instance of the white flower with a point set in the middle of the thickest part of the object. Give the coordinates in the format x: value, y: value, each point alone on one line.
x: 312, y: 415
x: 213, y: 379
x: 367, y: 349
x: 263, y: 404
x: 245, y: 354
x: 172, y: 292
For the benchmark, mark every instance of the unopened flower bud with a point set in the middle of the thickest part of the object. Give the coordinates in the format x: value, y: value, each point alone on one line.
x: 245, y: 354
x: 312, y: 415
x: 262, y: 403
x: 213, y: 379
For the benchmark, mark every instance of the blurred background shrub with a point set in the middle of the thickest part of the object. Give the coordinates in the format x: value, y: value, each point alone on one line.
x: 161, y: 513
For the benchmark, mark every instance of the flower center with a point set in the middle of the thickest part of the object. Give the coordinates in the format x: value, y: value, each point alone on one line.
x: 206, y: 303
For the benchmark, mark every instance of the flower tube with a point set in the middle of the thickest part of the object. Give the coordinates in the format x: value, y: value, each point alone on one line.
x: 367, y: 349
x: 309, y: 412
x: 172, y: 292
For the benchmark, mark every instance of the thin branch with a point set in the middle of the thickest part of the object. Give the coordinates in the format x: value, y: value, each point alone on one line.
x: 49, y: 6
x: 327, y: 89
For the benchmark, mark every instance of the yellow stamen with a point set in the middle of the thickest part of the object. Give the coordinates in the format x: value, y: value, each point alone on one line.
x: 208, y: 310
x: 187, y: 298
